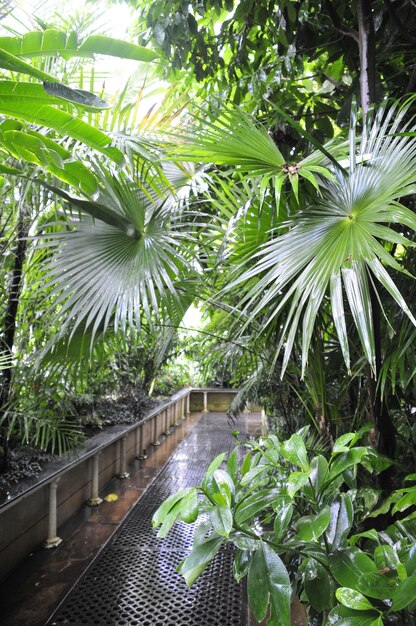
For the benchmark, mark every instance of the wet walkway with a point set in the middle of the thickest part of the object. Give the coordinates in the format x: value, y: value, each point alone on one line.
x: 122, y: 574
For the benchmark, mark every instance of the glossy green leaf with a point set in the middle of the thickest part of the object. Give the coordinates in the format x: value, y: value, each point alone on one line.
x: 232, y: 463
x: 214, y: 465
x: 345, y: 460
x: 318, y: 474
x: 252, y: 474
x: 14, y: 64
x: 268, y: 580
x: 201, y: 555
x: 222, y: 520
x: 284, y: 512
x: 311, y: 527
x: 376, y: 585
x: 353, y: 599
x: 404, y: 594
x: 17, y: 105
x: 341, y: 520
x: 406, y: 501
x: 349, y: 564
x: 167, y: 506
x: 294, y: 450
x: 385, y: 556
x: 296, y: 481
x: 317, y: 585
x: 410, y: 561
x: 342, y: 616
x: 254, y: 504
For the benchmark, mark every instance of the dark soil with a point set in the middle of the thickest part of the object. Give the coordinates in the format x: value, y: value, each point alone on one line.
x: 24, y: 462
x: 94, y: 414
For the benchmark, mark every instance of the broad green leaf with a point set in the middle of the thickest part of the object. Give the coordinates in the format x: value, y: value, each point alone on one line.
x: 53, y: 42
x: 268, y: 580
x: 222, y: 520
x: 86, y: 99
x: 367, y: 534
x: 60, y: 121
x: 294, y: 450
x: 181, y: 506
x: 14, y: 64
x: 317, y: 585
x: 410, y: 561
x: 254, y: 504
x: 311, y: 527
x: 296, y: 481
x: 404, y: 594
x: 344, y: 460
x: 241, y: 564
x: 318, y: 473
x: 232, y: 463
x: 284, y: 511
x: 195, y: 563
x: 349, y: 564
x: 342, y: 616
x: 214, y: 465
x: 343, y: 443
x: 376, y: 585
x: 341, y: 520
x: 385, y: 556
x: 38, y: 149
x: 167, y: 505
x: 189, y: 507
x: 353, y: 599
x: 409, y: 499
x: 254, y: 473
x: 221, y: 484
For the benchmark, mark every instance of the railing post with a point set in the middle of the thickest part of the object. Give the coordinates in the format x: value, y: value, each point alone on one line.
x: 167, y: 425
x: 53, y: 540
x: 95, y: 499
x: 123, y: 473
x: 264, y: 428
x: 155, y: 441
x: 182, y: 405
x: 188, y: 404
x: 142, y: 452
x: 205, y: 409
x: 175, y: 410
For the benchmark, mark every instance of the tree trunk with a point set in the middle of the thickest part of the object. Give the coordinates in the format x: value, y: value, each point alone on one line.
x: 367, y: 51
x: 7, y: 340
x: 382, y: 419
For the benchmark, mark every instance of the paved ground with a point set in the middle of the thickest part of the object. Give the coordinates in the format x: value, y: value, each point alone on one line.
x: 121, y: 573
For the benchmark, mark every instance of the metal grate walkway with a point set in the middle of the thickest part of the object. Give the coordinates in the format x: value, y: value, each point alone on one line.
x: 133, y: 580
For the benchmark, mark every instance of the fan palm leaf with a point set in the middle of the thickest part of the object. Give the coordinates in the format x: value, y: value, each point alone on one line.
x: 335, y: 246
x: 103, y: 271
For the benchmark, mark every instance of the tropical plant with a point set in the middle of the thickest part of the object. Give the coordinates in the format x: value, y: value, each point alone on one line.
x: 296, y: 523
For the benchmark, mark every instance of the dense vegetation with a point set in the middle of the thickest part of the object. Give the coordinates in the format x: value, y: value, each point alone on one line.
x: 274, y: 187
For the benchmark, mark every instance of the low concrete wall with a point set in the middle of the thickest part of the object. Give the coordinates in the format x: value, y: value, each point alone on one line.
x: 216, y: 399
x: 25, y: 517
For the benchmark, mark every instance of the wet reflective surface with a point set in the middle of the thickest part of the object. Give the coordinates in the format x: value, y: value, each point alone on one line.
x: 132, y: 579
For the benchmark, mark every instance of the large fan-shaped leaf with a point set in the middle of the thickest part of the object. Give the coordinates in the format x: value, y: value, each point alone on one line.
x: 338, y: 242
x: 102, y: 271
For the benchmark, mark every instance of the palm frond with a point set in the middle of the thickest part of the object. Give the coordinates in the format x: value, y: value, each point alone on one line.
x: 101, y: 272
x: 336, y: 245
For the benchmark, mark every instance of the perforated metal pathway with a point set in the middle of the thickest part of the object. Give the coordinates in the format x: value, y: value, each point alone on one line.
x: 133, y: 580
